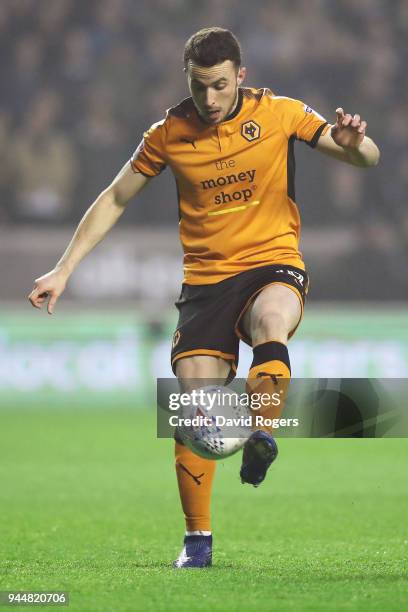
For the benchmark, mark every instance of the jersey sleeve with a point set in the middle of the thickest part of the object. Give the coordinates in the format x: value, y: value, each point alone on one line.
x: 301, y: 121
x: 150, y: 156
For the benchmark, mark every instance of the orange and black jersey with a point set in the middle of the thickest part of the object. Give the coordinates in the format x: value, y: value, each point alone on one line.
x: 235, y: 181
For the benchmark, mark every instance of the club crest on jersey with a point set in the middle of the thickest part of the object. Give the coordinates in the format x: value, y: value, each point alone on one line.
x: 250, y: 130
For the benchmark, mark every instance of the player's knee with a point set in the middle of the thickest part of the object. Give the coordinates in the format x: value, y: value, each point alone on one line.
x: 269, y: 325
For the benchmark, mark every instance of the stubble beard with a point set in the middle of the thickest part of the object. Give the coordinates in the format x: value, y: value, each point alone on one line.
x: 223, y: 117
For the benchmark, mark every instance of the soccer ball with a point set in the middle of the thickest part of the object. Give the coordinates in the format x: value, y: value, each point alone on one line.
x: 216, y: 425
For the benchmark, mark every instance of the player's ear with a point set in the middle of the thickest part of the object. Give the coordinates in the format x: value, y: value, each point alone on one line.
x: 241, y: 75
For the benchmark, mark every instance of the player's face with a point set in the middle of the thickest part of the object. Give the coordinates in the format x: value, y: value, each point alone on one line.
x: 214, y: 89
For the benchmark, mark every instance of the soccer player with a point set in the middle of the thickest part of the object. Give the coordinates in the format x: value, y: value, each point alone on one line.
x: 231, y: 150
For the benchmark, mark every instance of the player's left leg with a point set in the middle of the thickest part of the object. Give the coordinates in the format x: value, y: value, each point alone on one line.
x: 274, y: 314
x: 269, y: 321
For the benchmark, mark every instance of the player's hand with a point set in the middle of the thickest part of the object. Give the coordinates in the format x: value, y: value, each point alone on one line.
x: 48, y: 287
x: 348, y: 131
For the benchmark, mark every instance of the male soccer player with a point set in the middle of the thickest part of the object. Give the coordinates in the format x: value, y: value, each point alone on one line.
x: 230, y: 149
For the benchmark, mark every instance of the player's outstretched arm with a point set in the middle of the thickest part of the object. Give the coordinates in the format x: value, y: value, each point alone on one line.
x: 94, y: 225
x: 347, y: 141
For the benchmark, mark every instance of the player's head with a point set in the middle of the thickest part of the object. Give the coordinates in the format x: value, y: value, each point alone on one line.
x: 212, y: 62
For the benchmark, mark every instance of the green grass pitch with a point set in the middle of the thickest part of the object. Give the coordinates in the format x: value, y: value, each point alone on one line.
x: 89, y: 505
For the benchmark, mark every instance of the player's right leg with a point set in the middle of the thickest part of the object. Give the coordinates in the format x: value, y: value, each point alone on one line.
x: 195, y: 474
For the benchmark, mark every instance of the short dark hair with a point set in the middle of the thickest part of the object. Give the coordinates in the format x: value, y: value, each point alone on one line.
x: 211, y: 46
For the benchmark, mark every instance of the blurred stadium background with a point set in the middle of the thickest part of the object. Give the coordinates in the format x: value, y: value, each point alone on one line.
x: 83, y: 80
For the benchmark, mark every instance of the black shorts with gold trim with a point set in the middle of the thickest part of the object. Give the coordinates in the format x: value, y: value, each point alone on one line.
x: 210, y: 316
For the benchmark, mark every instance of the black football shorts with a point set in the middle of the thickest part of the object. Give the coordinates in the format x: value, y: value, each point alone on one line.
x: 210, y: 316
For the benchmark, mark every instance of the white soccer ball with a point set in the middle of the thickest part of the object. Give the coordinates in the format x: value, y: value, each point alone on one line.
x: 216, y: 425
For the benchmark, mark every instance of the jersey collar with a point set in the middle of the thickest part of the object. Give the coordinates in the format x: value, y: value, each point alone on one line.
x: 238, y: 107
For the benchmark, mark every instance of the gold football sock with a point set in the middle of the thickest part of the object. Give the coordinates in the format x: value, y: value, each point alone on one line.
x: 269, y: 374
x: 195, y: 476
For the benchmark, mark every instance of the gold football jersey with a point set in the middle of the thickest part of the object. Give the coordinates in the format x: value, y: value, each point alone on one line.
x: 235, y: 181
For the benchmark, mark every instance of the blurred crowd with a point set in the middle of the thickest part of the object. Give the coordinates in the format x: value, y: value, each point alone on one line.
x: 81, y: 81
